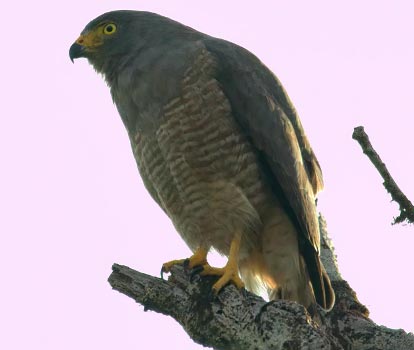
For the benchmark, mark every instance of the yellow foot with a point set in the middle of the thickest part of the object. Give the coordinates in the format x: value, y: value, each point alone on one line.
x: 198, y: 263
x: 229, y: 273
x: 199, y: 258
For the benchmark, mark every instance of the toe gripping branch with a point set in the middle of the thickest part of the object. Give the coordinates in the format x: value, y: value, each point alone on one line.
x: 197, y: 264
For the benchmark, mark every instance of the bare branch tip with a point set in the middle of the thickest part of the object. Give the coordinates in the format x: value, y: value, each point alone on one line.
x: 406, y: 207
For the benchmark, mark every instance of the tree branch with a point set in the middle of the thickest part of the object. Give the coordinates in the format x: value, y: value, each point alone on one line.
x: 244, y: 321
x: 236, y: 320
x: 406, y: 207
x: 233, y: 320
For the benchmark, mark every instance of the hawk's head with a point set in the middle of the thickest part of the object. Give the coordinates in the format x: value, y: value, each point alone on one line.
x: 111, y: 39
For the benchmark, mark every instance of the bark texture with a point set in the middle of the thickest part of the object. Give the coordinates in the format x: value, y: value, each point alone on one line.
x: 244, y: 321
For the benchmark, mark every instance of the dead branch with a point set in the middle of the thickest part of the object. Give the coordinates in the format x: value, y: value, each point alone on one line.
x: 233, y: 320
x: 244, y: 321
x: 406, y: 207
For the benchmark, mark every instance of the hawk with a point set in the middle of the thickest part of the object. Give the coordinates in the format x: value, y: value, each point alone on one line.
x: 219, y: 147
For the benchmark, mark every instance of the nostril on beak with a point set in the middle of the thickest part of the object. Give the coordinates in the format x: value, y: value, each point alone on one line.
x: 80, y: 41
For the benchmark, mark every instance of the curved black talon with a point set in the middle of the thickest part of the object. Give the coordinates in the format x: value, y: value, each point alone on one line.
x: 186, y: 264
x: 195, y: 271
x: 195, y: 278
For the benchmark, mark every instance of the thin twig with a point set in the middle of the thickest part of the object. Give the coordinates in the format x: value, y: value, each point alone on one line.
x: 406, y: 207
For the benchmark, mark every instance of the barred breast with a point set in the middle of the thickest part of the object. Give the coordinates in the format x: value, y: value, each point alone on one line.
x: 200, y: 167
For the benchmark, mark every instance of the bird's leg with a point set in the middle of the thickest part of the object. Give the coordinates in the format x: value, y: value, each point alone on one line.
x: 198, y: 263
x: 199, y: 258
x: 228, y: 273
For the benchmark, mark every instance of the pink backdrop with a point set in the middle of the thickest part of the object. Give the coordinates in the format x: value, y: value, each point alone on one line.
x: 72, y: 202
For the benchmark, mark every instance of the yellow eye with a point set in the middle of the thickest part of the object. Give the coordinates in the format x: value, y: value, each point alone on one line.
x: 109, y: 29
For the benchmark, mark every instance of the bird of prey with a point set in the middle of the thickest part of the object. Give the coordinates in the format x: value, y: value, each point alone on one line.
x: 219, y: 147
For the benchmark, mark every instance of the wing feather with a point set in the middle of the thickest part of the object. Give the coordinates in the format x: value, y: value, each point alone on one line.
x: 265, y: 113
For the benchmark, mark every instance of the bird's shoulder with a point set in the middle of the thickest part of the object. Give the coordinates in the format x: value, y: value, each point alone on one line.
x: 262, y: 108
x: 259, y: 99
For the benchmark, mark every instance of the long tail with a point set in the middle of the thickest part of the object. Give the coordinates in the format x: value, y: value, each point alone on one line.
x: 294, y: 286
x: 278, y: 267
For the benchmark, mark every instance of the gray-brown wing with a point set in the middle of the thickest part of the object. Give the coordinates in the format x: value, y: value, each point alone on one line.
x: 264, y: 111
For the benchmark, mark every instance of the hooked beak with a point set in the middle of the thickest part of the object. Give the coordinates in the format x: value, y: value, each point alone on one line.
x: 76, y: 51
x: 85, y: 44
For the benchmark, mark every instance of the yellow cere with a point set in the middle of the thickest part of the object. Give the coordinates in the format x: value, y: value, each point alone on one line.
x: 94, y: 38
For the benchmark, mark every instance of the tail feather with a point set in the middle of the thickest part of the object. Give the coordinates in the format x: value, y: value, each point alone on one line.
x: 259, y: 280
x: 329, y: 292
x: 254, y: 273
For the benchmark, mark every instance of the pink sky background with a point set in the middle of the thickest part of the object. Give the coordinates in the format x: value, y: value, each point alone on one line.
x: 72, y: 202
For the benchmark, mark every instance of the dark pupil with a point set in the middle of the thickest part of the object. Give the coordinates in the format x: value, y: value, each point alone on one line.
x: 109, y: 29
